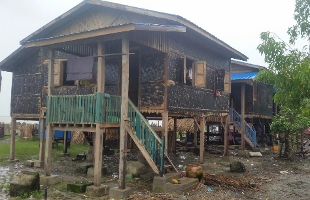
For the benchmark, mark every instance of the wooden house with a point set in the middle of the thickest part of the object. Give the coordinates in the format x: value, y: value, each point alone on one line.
x: 144, y: 65
x: 251, y: 98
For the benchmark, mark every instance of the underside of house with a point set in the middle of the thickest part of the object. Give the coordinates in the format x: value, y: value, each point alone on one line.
x: 107, y: 66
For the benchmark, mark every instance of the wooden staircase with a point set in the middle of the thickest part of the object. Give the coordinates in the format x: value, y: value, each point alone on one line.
x: 149, y: 143
x: 249, y: 133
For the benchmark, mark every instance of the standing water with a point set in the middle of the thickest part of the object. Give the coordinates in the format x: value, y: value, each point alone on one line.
x: 6, y: 175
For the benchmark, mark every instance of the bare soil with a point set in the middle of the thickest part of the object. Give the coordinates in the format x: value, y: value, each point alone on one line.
x: 269, y: 176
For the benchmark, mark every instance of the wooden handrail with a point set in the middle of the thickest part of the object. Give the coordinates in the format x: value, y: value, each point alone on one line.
x: 144, y: 120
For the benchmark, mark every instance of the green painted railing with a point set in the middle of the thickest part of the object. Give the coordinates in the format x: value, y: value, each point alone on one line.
x: 75, y: 109
x: 153, y: 144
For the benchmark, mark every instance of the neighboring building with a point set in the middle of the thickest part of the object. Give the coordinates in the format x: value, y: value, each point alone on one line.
x: 166, y: 65
x: 258, y: 104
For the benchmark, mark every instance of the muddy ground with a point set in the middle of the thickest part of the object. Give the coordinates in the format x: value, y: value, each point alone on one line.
x: 269, y: 176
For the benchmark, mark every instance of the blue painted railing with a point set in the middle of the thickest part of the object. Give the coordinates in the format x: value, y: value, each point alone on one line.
x: 237, y: 119
x: 76, y: 109
x: 154, y: 145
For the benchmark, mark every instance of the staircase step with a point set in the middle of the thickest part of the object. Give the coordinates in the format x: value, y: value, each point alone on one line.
x: 170, y: 176
x: 186, y: 185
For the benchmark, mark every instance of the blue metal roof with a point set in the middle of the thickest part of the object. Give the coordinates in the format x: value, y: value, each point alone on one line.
x: 243, y: 76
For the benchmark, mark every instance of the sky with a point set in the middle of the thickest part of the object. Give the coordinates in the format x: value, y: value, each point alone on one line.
x: 237, y: 23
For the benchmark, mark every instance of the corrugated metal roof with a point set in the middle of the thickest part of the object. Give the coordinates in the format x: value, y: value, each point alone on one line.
x: 243, y: 76
x: 134, y: 23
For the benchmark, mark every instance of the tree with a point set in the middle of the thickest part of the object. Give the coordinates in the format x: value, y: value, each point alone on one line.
x: 289, y: 73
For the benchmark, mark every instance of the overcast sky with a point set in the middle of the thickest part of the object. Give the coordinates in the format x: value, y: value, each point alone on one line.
x: 236, y: 22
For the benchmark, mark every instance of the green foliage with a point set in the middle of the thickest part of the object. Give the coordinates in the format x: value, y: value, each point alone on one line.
x: 289, y: 121
x: 301, y: 16
x: 61, y: 186
x: 289, y: 73
x: 34, y: 195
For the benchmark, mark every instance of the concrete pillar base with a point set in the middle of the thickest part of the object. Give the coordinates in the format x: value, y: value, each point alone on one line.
x: 97, y: 191
x: 29, y: 163
x: 49, y: 180
x: 243, y: 153
x: 115, y: 193
x: 159, y: 183
x: 38, y: 164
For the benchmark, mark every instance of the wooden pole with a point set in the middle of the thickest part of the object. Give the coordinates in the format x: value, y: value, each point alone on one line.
x: 242, y: 116
x: 226, y: 128
x: 101, y: 68
x: 98, y: 155
x: 124, y: 112
x: 13, y: 133
x: 195, y: 134
x: 98, y: 144
x: 202, y: 139
x: 165, y: 129
x: 65, y: 146
x: 42, y: 140
x: 174, y: 137
x: 49, y: 136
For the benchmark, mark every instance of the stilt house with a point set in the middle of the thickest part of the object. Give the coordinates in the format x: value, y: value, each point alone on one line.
x: 103, y: 65
x: 251, y: 98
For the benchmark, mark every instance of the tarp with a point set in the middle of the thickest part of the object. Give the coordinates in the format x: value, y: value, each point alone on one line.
x: 80, y: 68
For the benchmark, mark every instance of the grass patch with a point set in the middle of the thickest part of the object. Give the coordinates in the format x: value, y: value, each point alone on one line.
x: 34, y: 195
x: 28, y: 150
x: 61, y: 186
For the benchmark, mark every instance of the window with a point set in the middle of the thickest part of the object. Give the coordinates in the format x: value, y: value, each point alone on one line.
x: 223, y: 81
x: 199, y: 73
x: 60, y: 75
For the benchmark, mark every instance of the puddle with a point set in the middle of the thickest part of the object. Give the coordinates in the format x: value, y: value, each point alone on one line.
x: 6, y: 175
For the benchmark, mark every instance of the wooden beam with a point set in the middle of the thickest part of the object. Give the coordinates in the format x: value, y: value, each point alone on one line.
x: 98, y: 155
x: 13, y: 133
x: 165, y: 128
x: 226, y: 129
x: 48, y: 151
x: 65, y: 146
x: 101, y: 67
x: 124, y: 112
x: 202, y: 139
x: 50, y: 83
x: 174, y: 138
x: 49, y: 136
x: 242, y: 116
x: 195, y: 134
x: 83, y: 129
x: 42, y: 140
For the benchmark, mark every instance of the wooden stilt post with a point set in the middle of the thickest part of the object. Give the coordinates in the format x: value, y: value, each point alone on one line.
x: 226, y: 128
x: 165, y: 128
x: 65, y: 146
x: 195, y: 134
x: 42, y: 140
x: 242, y: 116
x: 202, y: 139
x: 49, y: 135
x: 98, y: 143
x: 124, y: 113
x: 174, y: 137
x: 98, y: 155
x: 13, y: 133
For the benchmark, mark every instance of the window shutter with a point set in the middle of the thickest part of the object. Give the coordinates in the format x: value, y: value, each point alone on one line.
x: 200, y: 71
x: 227, y: 85
x: 58, y: 72
x: 220, y: 79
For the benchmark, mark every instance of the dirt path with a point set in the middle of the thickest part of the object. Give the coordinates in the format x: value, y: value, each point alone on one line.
x: 271, y: 177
